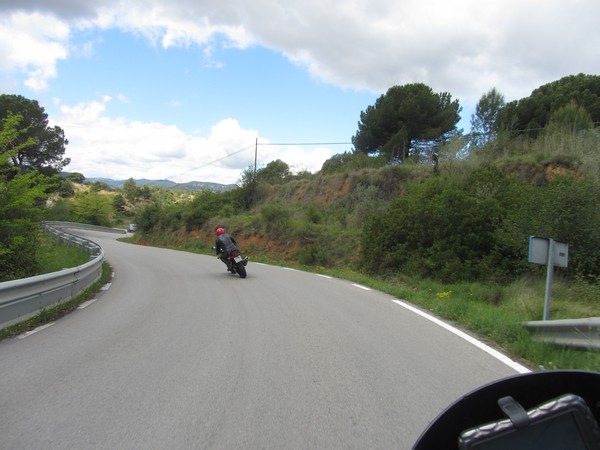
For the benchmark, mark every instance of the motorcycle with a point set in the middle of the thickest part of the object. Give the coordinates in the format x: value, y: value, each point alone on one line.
x: 235, y: 262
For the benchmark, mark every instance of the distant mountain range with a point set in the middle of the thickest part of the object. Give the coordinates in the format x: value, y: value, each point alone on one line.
x: 191, y: 186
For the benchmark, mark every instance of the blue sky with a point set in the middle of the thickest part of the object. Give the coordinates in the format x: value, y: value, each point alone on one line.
x: 154, y: 89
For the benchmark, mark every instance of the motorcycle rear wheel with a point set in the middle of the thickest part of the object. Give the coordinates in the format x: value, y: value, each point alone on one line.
x: 241, y: 269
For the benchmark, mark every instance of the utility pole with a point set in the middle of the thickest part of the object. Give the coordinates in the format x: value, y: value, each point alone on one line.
x: 254, y: 181
x: 255, y: 156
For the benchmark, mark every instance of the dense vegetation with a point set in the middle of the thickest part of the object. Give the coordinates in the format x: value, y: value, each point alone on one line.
x: 30, y: 159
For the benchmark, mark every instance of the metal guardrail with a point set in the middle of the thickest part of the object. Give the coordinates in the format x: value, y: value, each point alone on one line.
x: 82, y: 226
x: 25, y: 298
x: 578, y: 333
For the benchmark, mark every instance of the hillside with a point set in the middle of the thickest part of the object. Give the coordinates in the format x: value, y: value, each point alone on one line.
x: 191, y: 186
x: 323, y: 219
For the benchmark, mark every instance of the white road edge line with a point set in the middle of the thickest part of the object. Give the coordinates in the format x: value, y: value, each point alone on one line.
x: 86, y: 304
x: 486, y: 348
x: 35, y: 330
x: 106, y: 287
x: 324, y: 276
x: 362, y: 287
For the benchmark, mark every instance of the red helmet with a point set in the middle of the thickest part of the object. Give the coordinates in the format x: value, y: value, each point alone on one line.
x: 220, y: 231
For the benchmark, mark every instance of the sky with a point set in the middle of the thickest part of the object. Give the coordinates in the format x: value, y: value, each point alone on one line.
x: 198, y: 90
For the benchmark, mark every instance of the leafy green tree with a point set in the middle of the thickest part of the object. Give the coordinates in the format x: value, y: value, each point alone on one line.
x: 570, y: 118
x: 93, y: 208
x: 97, y: 186
x: 407, y: 121
x: 22, y: 196
x: 252, y: 183
x: 36, y: 145
x: 130, y: 190
x: 119, y: 203
x: 21, y: 199
x: 483, y: 122
x: 248, y: 192
x: 144, y: 192
x: 148, y: 218
x: 275, y: 172
x: 11, y: 135
x: 75, y: 177
x: 531, y: 114
x: 63, y: 187
x: 205, y: 204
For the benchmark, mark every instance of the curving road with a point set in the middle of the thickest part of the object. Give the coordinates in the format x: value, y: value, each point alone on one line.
x: 177, y: 353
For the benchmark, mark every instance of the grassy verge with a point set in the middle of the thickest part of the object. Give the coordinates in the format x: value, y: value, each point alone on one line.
x: 58, y: 311
x: 497, y: 313
x: 55, y: 256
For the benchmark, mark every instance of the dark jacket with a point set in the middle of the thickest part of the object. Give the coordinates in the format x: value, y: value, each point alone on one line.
x: 225, y: 243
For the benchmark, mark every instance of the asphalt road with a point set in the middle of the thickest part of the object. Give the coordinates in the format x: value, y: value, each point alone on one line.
x: 177, y: 353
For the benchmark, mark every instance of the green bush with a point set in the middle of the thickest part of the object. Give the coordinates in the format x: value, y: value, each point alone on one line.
x: 567, y: 210
x: 148, y: 219
x: 20, y: 213
x: 314, y: 214
x: 275, y: 219
x: 480, y: 230
x: 436, y: 230
x: 571, y: 214
x: 60, y: 210
x: 93, y: 208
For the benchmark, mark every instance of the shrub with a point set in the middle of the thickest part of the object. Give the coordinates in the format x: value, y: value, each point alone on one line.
x: 436, y: 230
x: 275, y: 219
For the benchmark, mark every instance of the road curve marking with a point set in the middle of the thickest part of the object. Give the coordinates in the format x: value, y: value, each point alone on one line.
x: 362, y: 287
x: 35, y: 330
x: 486, y: 348
x: 86, y: 304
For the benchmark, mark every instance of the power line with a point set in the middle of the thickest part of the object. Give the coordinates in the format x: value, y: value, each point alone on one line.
x: 254, y: 145
x: 306, y: 143
x: 213, y: 161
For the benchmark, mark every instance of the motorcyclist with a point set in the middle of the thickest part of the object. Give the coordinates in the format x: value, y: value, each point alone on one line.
x: 224, y: 245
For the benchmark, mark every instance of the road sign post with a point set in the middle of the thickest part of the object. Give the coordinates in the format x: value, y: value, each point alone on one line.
x: 552, y: 253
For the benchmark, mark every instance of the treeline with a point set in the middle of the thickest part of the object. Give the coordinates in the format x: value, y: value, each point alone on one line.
x: 415, y: 195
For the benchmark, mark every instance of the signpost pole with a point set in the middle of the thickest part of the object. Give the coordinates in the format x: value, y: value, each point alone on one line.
x: 552, y: 253
x: 549, y: 279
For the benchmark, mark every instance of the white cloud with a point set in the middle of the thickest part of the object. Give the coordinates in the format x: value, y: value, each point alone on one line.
x: 116, y: 148
x: 464, y: 47
x: 32, y: 44
x: 122, y: 98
